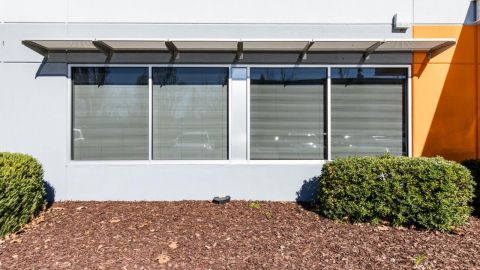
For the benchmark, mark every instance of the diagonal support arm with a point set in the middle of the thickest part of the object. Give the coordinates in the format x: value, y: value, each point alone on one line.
x: 371, y: 49
x: 107, y: 50
x: 239, y: 55
x: 439, y: 49
x: 174, y: 52
x: 303, y: 54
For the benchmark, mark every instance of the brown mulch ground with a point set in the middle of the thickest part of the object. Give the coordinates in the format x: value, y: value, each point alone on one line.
x: 201, y: 235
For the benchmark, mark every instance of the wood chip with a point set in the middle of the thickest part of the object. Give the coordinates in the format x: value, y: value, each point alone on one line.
x: 173, y: 245
x: 162, y: 258
x: 383, y: 228
x: 231, y: 237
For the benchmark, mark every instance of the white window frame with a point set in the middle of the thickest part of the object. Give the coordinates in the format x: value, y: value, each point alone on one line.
x: 328, y: 107
x: 150, y: 159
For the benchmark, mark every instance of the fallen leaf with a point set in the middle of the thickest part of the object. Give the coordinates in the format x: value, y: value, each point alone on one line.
x: 383, y: 228
x: 15, y: 240
x: 114, y: 220
x: 458, y: 231
x: 63, y: 265
x: 173, y: 245
x: 162, y: 258
x: 38, y: 220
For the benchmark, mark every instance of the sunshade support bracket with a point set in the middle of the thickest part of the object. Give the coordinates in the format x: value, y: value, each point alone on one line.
x: 37, y: 48
x: 107, y: 50
x: 371, y: 49
x: 304, y: 53
x: 239, y: 53
x: 174, y: 52
x: 439, y: 49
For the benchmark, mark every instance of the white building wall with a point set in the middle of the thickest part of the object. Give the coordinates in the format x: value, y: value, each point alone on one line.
x: 34, y: 108
x: 205, y: 11
x: 246, y: 11
x: 33, y: 118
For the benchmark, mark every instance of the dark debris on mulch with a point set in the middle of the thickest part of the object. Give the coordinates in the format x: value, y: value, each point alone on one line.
x: 238, y: 235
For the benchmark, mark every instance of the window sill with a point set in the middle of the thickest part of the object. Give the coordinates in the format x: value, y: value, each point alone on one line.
x: 191, y: 162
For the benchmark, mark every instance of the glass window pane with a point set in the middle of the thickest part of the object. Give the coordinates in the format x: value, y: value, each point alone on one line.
x: 369, y: 111
x: 110, y: 113
x: 287, y: 113
x: 190, y: 113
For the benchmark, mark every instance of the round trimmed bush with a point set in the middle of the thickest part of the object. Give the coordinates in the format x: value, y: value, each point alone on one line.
x: 430, y: 193
x: 22, y: 194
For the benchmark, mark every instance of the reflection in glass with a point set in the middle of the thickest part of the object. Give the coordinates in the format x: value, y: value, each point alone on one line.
x: 190, y: 113
x: 369, y: 111
x: 287, y: 113
x: 110, y: 113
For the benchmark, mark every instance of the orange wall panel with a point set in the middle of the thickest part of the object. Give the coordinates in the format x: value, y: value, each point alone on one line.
x: 462, y: 53
x: 445, y: 120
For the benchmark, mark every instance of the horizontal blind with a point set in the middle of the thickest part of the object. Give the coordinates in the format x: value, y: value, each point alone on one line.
x: 287, y: 114
x: 190, y: 114
x: 110, y: 114
x: 368, y: 119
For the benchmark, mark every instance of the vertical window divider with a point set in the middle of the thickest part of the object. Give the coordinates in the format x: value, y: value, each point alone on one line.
x: 409, y: 116
x: 248, y: 114
x: 329, y: 113
x: 150, y: 114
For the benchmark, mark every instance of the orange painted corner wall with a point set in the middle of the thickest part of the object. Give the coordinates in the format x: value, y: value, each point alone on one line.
x: 445, y: 95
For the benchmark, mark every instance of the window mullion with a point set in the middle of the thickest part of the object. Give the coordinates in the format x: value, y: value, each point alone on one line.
x: 150, y: 114
x: 329, y: 113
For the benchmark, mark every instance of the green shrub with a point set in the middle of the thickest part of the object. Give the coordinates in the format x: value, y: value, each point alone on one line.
x: 22, y: 193
x: 430, y: 193
x: 474, y: 166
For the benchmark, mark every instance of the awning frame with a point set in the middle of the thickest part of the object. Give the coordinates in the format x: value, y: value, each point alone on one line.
x: 101, y: 45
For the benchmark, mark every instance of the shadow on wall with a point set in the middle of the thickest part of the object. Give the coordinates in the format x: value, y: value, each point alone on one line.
x: 57, y: 63
x: 445, y: 96
x: 50, y: 190
x: 308, y: 191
